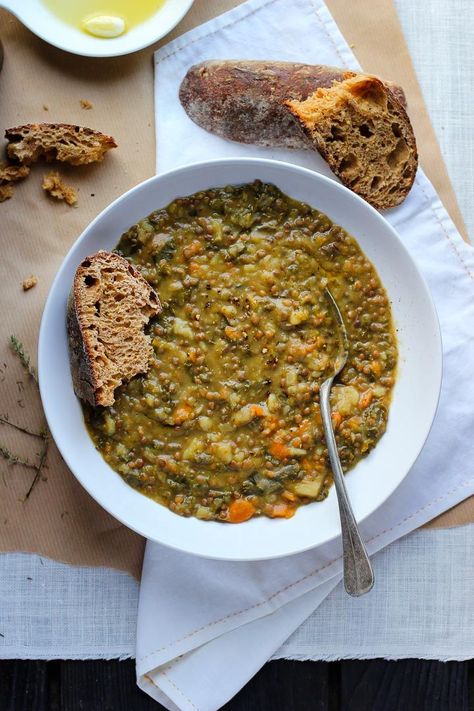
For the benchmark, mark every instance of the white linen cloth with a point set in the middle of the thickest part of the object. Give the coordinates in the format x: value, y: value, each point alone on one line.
x: 205, y: 627
x: 445, y: 77
x: 421, y: 607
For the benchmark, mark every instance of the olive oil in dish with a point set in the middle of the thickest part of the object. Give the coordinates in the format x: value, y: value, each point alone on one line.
x: 104, y: 18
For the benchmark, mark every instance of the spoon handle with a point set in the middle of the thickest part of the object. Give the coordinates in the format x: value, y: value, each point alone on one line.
x: 358, y: 573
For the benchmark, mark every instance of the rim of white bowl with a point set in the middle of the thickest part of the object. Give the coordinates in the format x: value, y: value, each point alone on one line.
x: 49, y: 407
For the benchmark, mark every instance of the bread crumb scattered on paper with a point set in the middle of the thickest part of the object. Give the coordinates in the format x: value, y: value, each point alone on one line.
x: 45, y: 107
x: 86, y: 104
x: 30, y: 282
x: 53, y: 184
x: 9, y: 173
x: 6, y: 191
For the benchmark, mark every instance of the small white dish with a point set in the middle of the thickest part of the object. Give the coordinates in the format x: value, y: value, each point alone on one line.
x: 369, y: 484
x: 40, y: 20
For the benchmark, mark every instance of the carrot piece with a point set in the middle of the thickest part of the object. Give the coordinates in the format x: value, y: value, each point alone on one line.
x: 240, y: 510
x: 288, y: 495
x: 258, y: 410
x: 194, y: 268
x: 233, y: 333
x: 365, y: 399
x: 181, y: 413
x: 279, y: 450
x: 336, y: 419
x: 376, y: 367
x: 303, y: 427
x: 280, y: 510
x: 192, y: 249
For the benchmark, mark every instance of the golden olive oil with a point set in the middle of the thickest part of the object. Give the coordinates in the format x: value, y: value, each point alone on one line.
x: 128, y: 13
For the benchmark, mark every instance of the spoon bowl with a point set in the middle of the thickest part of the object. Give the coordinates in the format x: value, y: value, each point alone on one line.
x: 46, y: 25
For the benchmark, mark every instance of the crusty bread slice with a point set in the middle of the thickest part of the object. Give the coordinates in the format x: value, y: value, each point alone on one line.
x: 365, y: 135
x: 109, y: 306
x: 76, y: 145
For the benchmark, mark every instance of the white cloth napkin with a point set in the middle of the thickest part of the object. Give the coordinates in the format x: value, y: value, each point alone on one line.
x: 205, y: 627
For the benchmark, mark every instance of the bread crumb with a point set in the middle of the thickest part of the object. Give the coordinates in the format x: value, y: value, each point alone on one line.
x: 86, y: 104
x: 6, y: 191
x: 30, y: 282
x: 9, y: 173
x: 54, y: 185
x: 45, y: 107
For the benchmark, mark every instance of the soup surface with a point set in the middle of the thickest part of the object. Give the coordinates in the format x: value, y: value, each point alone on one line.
x: 226, y: 424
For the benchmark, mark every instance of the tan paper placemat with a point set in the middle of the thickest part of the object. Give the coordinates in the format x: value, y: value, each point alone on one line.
x: 40, y: 83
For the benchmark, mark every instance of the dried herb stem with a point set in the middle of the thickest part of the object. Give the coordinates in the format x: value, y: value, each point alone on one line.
x: 18, y: 348
x: 4, y: 420
x: 39, y: 468
x: 15, y: 459
x: 25, y: 359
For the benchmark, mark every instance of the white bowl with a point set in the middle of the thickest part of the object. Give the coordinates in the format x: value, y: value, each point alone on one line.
x: 40, y: 20
x: 415, y: 394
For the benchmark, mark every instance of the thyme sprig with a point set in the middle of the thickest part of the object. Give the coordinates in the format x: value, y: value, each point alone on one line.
x: 15, y: 459
x: 39, y: 468
x: 5, y: 420
x: 18, y: 348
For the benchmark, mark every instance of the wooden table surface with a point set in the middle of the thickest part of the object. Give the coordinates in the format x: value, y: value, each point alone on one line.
x: 377, y: 685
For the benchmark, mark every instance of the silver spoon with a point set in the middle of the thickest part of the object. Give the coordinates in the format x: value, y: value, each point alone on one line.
x: 358, y: 573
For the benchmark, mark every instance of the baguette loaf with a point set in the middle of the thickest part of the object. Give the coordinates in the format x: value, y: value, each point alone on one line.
x: 76, y: 145
x: 254, y: 102
x: 244, y: 100
x: 109, y: 306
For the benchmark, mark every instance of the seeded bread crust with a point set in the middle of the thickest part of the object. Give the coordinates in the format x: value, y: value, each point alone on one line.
x: 109, y: 305
x: 76, y: 145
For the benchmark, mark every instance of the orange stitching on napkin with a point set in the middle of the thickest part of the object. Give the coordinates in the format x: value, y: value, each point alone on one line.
x: 305, y: 577
x: 332, y: 39
x: 446, y: 233
x: 163, y: 673
x: 223, y: 27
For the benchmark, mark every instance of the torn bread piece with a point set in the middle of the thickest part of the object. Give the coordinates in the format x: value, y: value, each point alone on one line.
x: 6, y: 191
x: 72, y: 144
x: 12, y: 173
x: 365, y: 135
x: 109, y: 307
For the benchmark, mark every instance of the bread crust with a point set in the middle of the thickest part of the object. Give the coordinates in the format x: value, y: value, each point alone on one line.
x: 243, y: 100
x: 80, y: 358
x: 34, y: 133
x: 81, y: 355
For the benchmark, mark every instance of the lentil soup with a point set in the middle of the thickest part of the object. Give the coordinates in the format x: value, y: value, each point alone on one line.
x: 226, y: 423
